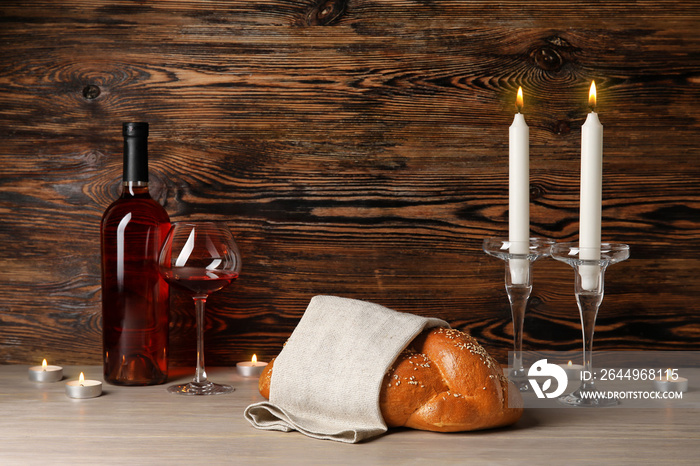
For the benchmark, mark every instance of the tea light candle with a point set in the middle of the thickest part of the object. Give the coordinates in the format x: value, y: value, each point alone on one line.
x: 82, y: 388
x: 668, y: 384
x: 252, y: 368
x: 45, y: 373
x: 573, y: 371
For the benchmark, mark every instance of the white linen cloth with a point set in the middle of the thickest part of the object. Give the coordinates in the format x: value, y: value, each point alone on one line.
x: 326, y: 380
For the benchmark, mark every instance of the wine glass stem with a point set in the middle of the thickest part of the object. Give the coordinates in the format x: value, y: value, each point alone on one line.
x: 588, y: 304
x: 200, y: 375
x: 518, y: 296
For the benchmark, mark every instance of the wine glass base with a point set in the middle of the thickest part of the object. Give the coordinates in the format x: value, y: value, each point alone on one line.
x: 195, y: 388
x: 591, y: 401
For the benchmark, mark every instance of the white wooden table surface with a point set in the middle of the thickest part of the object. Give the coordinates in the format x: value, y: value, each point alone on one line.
x: 147, y: 425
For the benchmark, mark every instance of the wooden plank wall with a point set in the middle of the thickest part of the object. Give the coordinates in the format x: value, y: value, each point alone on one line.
x: 356, y: 148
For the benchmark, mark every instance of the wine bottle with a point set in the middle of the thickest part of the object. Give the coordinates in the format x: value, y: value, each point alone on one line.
x: 135, y: 298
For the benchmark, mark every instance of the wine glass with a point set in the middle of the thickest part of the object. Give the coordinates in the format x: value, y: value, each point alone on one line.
x: 200, y: 257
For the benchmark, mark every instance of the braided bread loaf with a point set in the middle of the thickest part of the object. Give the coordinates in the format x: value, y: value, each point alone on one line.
x: 443, y: 381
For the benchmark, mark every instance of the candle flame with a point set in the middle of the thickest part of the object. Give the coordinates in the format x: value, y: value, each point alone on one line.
x: 43, y: 365
x: 592, y: 96
x: 81, y: 379
x: 569, y: 364
x: 519, y: 99
x: 255, y: 359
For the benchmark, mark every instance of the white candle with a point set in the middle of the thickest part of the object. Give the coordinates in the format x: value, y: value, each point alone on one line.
x: 668, y: 383
x: 252, y: 368
x: 82, y: 388
x: 519, y: 193
x: 573, y: 371
x: 591, y: 194
x: 45, y: 373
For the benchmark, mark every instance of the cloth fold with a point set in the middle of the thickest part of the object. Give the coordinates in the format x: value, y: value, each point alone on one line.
x: 327, y: 379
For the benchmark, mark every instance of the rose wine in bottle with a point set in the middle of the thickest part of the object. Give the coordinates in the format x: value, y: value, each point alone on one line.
x: 135, y: 298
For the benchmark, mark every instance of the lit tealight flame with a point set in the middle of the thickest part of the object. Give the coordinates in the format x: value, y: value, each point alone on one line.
x: 255, y: 359
x: 592, y: 96
x: 44, y: 365
x: 569, y: 364
x: 519, y: 99
x: 81, y: 379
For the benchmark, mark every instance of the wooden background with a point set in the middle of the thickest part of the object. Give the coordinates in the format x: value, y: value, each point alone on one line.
x: 356, y: 148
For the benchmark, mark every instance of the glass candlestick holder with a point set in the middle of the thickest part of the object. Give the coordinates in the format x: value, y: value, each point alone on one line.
x: 518, y: 257
x: 589, y: 271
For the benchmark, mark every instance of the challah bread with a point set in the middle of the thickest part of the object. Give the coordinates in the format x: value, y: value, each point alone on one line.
x: 443, y: 381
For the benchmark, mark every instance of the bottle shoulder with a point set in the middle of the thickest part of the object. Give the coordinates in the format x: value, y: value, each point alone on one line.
x: 142, y: 209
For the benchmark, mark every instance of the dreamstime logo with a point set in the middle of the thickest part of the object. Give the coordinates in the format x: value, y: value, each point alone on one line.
x: 543, y: 369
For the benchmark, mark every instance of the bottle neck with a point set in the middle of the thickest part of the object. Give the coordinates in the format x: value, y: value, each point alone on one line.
x: 135, y: 152
x: 135, y: 189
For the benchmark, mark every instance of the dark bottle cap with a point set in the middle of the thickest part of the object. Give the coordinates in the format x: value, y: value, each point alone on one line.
x: 135, y: 151
x: 135, y: 129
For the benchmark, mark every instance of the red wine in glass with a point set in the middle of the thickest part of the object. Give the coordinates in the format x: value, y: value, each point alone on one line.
x: 198, y: 281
